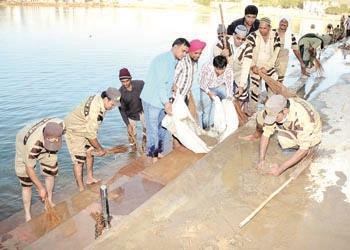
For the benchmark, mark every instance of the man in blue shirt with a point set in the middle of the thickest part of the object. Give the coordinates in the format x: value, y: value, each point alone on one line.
x: 157, y: 98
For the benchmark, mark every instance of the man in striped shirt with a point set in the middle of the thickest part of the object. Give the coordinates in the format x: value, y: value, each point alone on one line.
x: 216, y: 79
x: 242, y: 60
x: 287, y: 41
x: 186, y: 68
x: 266, y: 47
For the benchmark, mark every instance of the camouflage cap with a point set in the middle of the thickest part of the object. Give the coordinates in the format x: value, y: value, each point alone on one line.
x: 53, y: 135
x: 274, y: 105
x: 114, y: 94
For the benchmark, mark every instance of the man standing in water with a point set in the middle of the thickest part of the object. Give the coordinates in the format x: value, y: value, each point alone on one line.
x: 266, y: 47
x: 39, y: 142
x: 131, y: 106
x: 249, y: 20
x: 157, y: 98
x: 81, y: 136
x: 299, y: 127
x: 287, y: 41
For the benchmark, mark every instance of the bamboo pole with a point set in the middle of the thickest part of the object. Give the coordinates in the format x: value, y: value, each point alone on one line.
x: 303, y: 165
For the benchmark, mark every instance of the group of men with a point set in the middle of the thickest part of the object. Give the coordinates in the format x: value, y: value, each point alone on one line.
x: 245, y: 52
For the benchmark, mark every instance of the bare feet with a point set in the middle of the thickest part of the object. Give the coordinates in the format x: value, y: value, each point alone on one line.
x: 252, y: 137
x: 51, y: 203
x: 92, y: 180
x: 28, y: 217
x: 260, y: 165
x: 275, y: 170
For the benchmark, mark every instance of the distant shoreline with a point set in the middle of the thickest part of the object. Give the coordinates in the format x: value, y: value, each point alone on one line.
x: 102, y: 5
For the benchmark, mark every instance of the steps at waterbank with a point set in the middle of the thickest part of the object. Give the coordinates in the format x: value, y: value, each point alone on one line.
x: 205, y: 204
x: 128, y: 188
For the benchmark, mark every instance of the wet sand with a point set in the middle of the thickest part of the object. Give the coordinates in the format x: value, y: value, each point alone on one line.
x: 129, y: 187
x: 202, y: 208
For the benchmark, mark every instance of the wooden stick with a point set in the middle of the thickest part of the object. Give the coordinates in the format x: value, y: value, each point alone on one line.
x: 113, y: 150
x: 223, y: 24
x: 276, y: 87
x: 304, y: 164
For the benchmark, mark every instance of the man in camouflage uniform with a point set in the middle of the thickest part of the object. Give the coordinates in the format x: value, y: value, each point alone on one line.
x: 81, y: 136
x: 39, y: 142
x: 298, y: 125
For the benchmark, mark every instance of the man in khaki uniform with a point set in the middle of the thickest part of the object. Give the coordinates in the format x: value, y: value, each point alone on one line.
x: 298, y: 125
x: 39, y: 142
x: 81, y: 132
x: 287, y: 41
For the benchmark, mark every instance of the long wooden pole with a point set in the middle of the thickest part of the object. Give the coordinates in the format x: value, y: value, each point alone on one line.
x: 223, y: 24
x: 304, y: 164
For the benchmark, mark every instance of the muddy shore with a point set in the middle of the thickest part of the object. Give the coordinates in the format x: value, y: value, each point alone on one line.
x: 202, y: 208
x: 199, y: 201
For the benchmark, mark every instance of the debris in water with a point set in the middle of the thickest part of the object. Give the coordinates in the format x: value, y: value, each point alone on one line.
x: 51, y: 218
x: 100, y: 223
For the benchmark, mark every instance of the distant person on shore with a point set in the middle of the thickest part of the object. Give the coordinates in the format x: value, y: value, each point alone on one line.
x: 338, y: 33
x: 131, y: 107
x: 347, y: 26
x: 216, y: 79
x: 82, y: 125
x: 266, y: 47
x: 38, y: 142
x: 308, y: 46
x: 299, y: 127
x: 287, y: 41
x: 157, y: 98
x: 342, y: 24
x: 249, y: 20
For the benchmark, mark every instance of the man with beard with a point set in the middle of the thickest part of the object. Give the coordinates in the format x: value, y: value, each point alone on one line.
x: 266, y: 47
x: 287, y: 41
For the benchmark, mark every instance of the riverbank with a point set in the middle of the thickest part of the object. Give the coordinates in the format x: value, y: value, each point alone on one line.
x: 203, y: 207
x: 111, y: 4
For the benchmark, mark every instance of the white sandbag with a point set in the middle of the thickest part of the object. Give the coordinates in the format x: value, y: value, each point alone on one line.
x: 231, y: 118
x: 182, y: 125
x: 219, y: 116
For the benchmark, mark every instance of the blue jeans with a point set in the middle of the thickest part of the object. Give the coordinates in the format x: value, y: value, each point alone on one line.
x: 208, y: 104
x: 159, y: 140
